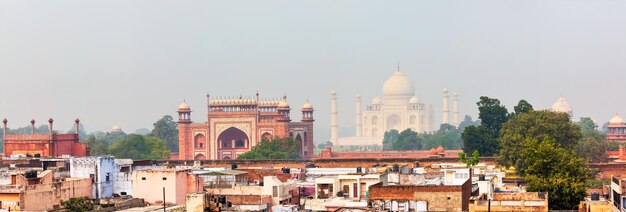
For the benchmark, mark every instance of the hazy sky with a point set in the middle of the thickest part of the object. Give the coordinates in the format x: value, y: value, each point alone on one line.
x: 131, y: 62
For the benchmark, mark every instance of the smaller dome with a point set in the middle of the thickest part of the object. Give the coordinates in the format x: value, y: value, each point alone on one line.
x: 377, y: 101
x: 183, y: 106
x: 432, y: 151
x: 283, y: 104
x: 414, y: 100
x: 307, y: 105
x: 616, y: 120
x: 116, y: 129
x: 440, y: 150
x: 561, y: 105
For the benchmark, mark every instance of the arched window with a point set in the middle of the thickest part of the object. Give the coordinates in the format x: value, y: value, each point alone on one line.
x: 266, y: 136
x: 412, y: 120
x: 229, y: 135
x: 374, y: 120
x: 366, y: 120
x: 374, y: 132
x: 198, y: 141
x: 240, y: 144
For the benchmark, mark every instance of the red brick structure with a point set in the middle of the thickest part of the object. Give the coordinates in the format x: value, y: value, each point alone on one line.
x: 234, y: 126
x: 437, y: 197
x: 433, y: 153
x: 44, y: 145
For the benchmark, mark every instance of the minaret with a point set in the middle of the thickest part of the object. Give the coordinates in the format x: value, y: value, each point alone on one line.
x: 446, y: 107
x: 334, y: 128
x: 359, y: 125
x: 32, y: 123
x: 455, y: 110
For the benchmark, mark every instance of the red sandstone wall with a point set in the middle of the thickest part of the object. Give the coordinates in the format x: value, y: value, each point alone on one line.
x: 47, y: 196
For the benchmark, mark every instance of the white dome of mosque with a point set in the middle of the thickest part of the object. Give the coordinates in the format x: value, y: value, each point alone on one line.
x: 398, y: 85
x: 183, y: 106
x: 616, y: 120
x: 307, y: 105
x: 414, y: 100
x: 377, y: 101
x: 116, y: 129
x: 562, y: 106
x: 283, y: 104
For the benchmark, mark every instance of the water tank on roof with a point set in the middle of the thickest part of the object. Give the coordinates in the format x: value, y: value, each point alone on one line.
x: 595, y: 196
x: 286, y: 170
x: 359, y: 170
x: 30, y: 174
x: 233, y: 166
x: 396, y: 168
x: 481, y: 177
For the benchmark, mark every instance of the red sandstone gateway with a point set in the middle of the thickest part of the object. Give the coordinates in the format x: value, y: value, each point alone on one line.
x: 235, y: 125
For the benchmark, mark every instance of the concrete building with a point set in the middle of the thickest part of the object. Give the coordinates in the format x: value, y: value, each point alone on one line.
x: 526, y: 201
x: 103, y: 171
x: 353, y: 187
x: 123, y: 184
x: 39, y: 191
x: 279, y: 192
x: 150, y: 185
x: 595, y: 204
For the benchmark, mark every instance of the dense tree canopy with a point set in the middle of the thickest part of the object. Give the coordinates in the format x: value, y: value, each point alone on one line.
x: 484, y: 138
x: 276, y: 148
x: 593, y: 145
x: 138, y: 147
x: 166, y: 129
x: 447, y: 136
x: 406, y: 140
x: 541, y: 146
x: 535, y: 125
x: 522, y: 107
x: 467, y: 121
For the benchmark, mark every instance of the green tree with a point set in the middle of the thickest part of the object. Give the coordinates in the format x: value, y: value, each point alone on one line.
x: 78, y: 204
x: 556, y: 170
x: 586, y: 125
x: 167, y: 130
x: 447, y: 136
x: 522, y: 107
x: 484, y: 138
x: 537, y: 125
x: 470, y: 161
x: 405, y: 140
x: 467, y: 121
x: 276, y: 148
x: 593, y: 145
x: 491, y: 114
x: 138, y: 147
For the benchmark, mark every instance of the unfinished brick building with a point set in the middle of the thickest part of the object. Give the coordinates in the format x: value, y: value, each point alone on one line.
x: 52, y: 144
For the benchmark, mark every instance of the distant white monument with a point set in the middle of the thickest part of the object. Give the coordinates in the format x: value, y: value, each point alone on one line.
x: 399, y: 109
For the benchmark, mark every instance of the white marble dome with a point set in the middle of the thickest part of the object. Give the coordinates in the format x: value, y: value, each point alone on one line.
x: 377, y: 101
x: 616, y: 120
x: 398, y: 85
x: 562, y: 106
x: 414, y: 100
x: 116, y: 129
x: 183, y: 106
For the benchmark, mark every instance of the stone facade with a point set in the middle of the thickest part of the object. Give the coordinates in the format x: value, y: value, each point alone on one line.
x: 234, y: 126
x: 437, y: 198
x: 44, y: 145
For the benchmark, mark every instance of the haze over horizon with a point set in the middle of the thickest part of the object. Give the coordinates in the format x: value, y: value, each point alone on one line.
x: 131, y: 62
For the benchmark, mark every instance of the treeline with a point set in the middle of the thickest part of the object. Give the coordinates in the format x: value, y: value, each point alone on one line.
x: 546, y: 148
x: 157, y: 144
x: 448, y: 136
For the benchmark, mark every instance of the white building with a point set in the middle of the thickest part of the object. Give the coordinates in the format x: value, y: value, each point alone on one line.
x: 561, y: 105
x: 101, y: 169
x: 398, y: 109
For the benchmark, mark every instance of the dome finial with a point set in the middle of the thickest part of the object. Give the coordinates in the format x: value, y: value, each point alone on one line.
x: 398, y: 67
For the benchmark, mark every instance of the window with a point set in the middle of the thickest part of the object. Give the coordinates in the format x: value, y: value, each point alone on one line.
x: 164, y: 178
x: 107, y: 177
x: 275, y: 191
x: 143, y: 178
x: 239, y: 143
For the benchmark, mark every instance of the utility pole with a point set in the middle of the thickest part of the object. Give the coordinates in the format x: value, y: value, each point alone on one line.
x: 163, y: 199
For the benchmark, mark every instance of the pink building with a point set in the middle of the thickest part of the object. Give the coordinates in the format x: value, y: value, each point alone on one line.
x: 149, y: 185
x: 617, y: 130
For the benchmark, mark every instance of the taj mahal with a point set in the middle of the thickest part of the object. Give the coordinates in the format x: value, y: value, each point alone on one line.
x: 398, y: 109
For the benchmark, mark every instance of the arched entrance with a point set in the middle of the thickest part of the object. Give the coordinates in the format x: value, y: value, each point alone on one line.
x: 200, y: 157
x: 394, y: 122
x: 232, y: 138
x: 266, y: 136
x: 231, y: 141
